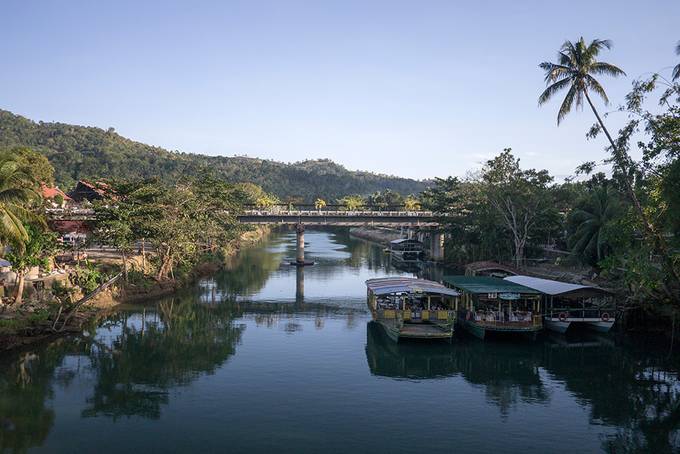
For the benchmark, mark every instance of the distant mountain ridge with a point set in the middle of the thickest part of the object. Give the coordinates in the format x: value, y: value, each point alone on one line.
x: 84, y: 152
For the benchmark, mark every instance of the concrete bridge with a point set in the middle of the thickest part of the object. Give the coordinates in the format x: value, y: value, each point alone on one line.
x: 425, y: 222
x: 341, y: 218
x: 421, y: 220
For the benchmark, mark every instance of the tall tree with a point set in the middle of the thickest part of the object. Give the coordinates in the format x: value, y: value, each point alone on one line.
x: 676, y: 70
x: 520, y: 197
x: 577, y: 65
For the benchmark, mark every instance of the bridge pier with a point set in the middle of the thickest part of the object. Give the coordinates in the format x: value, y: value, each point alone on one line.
x: 300, y: 284
x: 300, y: 256
x: 437, y: 246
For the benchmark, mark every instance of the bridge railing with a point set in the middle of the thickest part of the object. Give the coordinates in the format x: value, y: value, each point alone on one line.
x: 346, y: 213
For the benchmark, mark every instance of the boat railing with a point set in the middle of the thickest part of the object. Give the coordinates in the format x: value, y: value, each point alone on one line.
x: 571, y: 313
x: 496, y: 319
x: 433, y: 315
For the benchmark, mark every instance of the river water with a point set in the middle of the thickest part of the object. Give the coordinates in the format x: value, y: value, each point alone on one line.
x: 264, y: 357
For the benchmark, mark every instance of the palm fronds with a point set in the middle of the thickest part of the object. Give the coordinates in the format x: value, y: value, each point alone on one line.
x: 576, y: 64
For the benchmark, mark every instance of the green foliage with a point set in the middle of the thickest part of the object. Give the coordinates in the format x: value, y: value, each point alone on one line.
x: 385, y: 199
x: 182, y: 222
x: 522, y: 200
x: 352, y: 202
x: 576, y: 65
x: 19, y: 194
x: 88, y: 277
x: 38, y: 250
x: 266, y: 201
x: 595, y: 224
x: 411, y: 203
x: 78, y: 152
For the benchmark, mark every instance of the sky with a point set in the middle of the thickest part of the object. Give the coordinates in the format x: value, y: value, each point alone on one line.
x: 410, y: 88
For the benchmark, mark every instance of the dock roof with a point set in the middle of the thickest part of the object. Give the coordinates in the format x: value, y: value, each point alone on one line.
x: 387, y: 285
x: 555, y: 288
x: 487, y: 284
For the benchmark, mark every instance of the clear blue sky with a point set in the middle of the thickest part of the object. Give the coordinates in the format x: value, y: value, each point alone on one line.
x: 414, y: 88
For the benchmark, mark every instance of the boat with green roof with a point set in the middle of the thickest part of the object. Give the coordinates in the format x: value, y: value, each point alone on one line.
x: 490, y: 306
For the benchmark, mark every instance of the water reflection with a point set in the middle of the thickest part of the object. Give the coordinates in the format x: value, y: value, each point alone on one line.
x: 627, y: 388
x: 342, y: 263
x: 272, y: 328
x: 169, y: 347
x: 509, y: 373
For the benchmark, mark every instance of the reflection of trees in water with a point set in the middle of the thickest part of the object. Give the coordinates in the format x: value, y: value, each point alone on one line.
x: 635, y: 390
x: 246, y: 273
x: 26, y: 381
x: 136, y: 370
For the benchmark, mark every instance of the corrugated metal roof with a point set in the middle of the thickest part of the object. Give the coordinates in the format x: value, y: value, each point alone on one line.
x: 550, y: 287
x: 387, y: 285
x: 487, y: 284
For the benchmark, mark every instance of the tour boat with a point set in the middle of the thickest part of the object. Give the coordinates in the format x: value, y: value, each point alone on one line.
x: 568, y: 304
x: 410, y: 308
x: 407, y: 250
x: 493, y: 306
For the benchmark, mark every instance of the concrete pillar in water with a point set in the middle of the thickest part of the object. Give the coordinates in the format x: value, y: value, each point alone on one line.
x: 437, y: 246
x: 300, y: 229
x: 300, y: 284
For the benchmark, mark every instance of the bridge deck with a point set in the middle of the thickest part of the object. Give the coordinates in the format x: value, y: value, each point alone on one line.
x: 307, y: 217
x: 346, y: 218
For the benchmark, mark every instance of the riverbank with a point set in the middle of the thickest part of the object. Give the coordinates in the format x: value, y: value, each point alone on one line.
x: 35, y: 321
x: 380, y: 236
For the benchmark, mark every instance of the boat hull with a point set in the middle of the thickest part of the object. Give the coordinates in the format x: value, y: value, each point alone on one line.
x: 484, y: 332
x: 601, y: 327
x: 557, y: 325
x: 561, y: 326
x: 416, y: 331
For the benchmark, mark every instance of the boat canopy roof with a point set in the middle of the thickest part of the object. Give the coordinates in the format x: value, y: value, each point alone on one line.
x: 486, y: 267
x: 557, y: 288
x: 487, y: 284
x: 405, y: 240
x: 388, y: 285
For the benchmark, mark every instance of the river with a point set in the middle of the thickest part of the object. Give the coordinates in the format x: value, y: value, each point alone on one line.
x: 264, y: 357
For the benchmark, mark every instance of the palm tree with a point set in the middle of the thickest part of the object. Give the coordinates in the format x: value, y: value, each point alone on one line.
x: 577, y: 65
x: 593, y: 220
x: 17, y: 189
x: 676, y: 70
x: 411, y: 203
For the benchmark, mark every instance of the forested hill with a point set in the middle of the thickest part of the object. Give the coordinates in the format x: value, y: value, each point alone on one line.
x: 79, y: 152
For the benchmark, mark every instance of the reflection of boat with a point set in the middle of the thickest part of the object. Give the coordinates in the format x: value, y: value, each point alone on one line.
x: 410, y: 308
x: 571, y: 304
x: 409, y: 267
x: 485, y: 363
x: 406, y: 250
x: 407, y: 359
x: 496, y: 306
